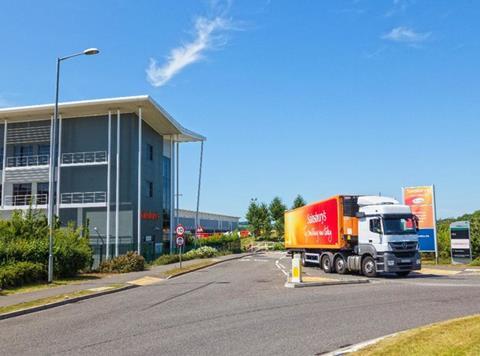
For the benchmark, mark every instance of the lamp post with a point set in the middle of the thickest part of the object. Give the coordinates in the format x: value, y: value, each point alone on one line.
x: 53, y: 160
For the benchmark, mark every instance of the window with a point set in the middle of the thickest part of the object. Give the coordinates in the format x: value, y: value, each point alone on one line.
x: 149, y: 189
x: 22, y: 193
x: 42, y: 193
x: 399, y: 225
x: 43, y: 154
x: 375, y: 226
x: 149, y: 152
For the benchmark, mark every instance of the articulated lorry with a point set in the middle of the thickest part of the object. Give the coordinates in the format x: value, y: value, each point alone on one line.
x: 349, y: 233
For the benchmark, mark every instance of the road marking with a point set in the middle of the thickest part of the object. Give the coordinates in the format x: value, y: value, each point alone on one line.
x: 441, y: 272
x: 279, y: 266
x: 145, y: 281
x: 245, y: 260
x: 99, y: 289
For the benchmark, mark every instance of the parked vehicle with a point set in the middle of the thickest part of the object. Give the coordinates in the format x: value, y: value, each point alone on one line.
x: 349, y: 233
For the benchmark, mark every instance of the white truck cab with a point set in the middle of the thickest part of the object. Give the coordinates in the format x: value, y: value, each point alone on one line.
x: 387, y: 231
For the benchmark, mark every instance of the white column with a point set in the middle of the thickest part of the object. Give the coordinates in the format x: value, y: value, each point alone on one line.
x: 109, y: 169
x: 172, y: 192
x: 59, y: 163
x: 139, y: 190
x: 117, y: 186
x: 5, y: 127
x: 51, y: 172
x: 177, y: 156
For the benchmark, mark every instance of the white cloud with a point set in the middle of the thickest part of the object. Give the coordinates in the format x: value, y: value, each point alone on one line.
x: 406, y: 35
x: 209, y: 34
x: 398, y: 7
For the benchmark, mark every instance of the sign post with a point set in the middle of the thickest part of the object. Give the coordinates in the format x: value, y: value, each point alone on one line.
x: 460, y: 245
x: 422, y: 202
x: 180, y: 230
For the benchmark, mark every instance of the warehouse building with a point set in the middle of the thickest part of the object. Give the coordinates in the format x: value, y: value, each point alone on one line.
x: 209, y: 223
x: 116, y: 168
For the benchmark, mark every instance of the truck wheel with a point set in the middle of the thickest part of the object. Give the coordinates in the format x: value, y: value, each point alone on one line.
x: 326, y: 264
x: 403, y: 273
x: 368, y: 267
x: 304, y: 261
x: 340, y: 265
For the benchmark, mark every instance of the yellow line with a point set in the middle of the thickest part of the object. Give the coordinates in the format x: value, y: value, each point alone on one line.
x: 441, y: 272
x: 145, y: 281
x: 317, y: 279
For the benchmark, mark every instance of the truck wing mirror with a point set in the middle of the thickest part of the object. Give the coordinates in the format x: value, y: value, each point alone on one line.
x: 360, y: 215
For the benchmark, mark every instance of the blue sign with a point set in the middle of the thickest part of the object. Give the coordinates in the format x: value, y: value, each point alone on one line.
x: 426, y: 240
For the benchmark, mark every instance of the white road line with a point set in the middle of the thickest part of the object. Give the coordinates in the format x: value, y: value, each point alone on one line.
x: 279, y: 266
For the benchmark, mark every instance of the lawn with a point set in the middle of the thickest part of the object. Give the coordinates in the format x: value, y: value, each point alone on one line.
x: 454, y: 337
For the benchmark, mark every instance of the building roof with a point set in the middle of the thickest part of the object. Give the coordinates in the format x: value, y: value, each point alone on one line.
x: 184, y: 213
x: 152, y: 113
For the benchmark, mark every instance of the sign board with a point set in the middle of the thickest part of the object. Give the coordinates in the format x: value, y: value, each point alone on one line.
x: 422, y: 202
x: 460, y: 245
x: 180, y: 230
x: 180, y: 241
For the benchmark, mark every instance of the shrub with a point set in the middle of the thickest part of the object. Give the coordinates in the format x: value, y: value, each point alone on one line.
x: 278, y: 246
x: 475, y: 262
x: 202, y: 252
x: 25, y: 238
x: 166, y: 259
x: 229, y: 242
x: 130, y: 262
x: 19, y: 273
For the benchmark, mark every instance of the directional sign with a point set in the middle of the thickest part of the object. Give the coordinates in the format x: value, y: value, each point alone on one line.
x: 460, y: 247
x: 180, y: 241
x: 180, y: 230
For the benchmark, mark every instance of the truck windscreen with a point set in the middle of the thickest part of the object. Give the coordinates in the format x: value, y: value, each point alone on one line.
x: 399, y: 226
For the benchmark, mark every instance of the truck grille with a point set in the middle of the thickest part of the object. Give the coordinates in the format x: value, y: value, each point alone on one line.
x: 403, y: 246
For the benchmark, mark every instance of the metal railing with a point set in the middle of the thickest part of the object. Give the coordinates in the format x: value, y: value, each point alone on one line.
x: 26, y: 200
x: 28, y: 161
x: 84, y: 157
x: 83, y: 198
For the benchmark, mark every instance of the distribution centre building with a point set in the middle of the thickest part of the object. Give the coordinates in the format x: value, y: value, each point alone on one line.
x: 115, y: 170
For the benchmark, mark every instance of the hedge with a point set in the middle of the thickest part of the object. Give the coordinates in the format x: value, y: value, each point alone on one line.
x: 19, y: 273
x: 130, y: 262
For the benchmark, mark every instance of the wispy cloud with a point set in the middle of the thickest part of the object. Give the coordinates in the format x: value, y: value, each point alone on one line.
x: 398, y: 7
x: 406, y: 35
x: 209, y: 33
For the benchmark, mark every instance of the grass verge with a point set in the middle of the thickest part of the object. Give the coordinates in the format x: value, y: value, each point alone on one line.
x: 55, y: 298
x: 176, y: 271
x: 454, y: 337
x: 56, y: 283
x: 43, y: 301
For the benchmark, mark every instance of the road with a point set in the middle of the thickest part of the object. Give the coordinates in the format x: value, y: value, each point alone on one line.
x: 239, y: 308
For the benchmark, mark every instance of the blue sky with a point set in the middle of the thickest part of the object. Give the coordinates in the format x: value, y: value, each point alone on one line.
x: 310, y: 97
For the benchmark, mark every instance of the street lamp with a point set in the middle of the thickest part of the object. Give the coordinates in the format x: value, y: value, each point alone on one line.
x: 53, y: 153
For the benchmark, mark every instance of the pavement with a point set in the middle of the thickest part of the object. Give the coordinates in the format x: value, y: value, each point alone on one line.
x: 241, y: 307
x: 136, y: 278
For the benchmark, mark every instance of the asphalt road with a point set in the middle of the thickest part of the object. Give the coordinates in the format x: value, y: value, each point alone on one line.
x: 239, y: 308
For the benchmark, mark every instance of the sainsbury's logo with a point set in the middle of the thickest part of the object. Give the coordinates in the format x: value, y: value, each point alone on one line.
x: 317, y: 218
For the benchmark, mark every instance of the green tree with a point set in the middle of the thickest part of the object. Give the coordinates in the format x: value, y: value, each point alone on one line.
x: 253, y: 217
x: 265, y: 220
x: 299, y: 202
x: 277, y: 213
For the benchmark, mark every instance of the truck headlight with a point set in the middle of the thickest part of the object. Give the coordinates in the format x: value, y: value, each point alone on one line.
x: 391, y: 263
x: 419, y: 261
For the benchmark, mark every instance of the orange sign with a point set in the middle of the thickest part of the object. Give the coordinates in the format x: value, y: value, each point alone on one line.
x: 420, y: 200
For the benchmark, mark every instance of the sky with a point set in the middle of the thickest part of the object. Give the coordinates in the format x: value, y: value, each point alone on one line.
x: 316, y: 98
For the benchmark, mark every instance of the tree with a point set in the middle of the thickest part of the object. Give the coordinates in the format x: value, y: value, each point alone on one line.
x: 277, y: 213
x: 252, y: 217
x: 265, y: 220
x: 299, y: 202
